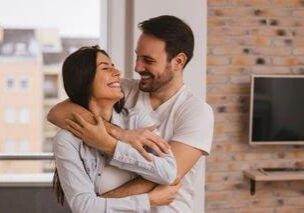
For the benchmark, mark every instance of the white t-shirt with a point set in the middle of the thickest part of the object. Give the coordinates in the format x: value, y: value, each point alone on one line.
x: 186, y: 119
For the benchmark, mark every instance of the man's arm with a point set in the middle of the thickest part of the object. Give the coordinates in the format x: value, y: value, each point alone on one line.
x: 194, y: 130
x: 63, y: 115
x: 140, y: 185
x: 64, y: 110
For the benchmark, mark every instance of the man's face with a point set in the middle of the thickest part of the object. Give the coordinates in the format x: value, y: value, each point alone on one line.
x: 151, y: 63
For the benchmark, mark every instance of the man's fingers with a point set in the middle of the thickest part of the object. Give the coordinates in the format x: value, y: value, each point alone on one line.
x: 98, y: 119
x: 154, y: 147
x: 79, y: 120
x: 74, y: 125
x: 144, y: 153
x: 161, y: 143
x: 73, y: 131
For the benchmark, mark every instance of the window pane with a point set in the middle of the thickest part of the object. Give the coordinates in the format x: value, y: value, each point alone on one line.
x: 9, y: 146
x: 10, y: 115
x: 9, y: 83
x: 24, y: 116
x: 24, y: 82
x: 33, y: 46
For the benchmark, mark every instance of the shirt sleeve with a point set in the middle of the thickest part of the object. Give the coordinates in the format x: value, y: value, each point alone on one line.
x: 78, y: 187
x: 161, y: 170
x: 194, y: 126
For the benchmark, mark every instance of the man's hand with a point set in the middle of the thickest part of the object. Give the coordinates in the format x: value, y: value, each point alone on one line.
x: 163, y: 195
x: 145, y: 137
x: 93, y: 135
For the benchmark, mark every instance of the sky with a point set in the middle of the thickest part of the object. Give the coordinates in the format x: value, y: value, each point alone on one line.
x: 76, y: 18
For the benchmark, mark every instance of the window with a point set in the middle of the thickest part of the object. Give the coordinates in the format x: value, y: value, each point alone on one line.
x: 24, y: 146
x: 31, y: 53
x: 9, y: 146
x: 9, y: 83
x: 24, y: 82
x: 10, y: 115
x: 24, y: 116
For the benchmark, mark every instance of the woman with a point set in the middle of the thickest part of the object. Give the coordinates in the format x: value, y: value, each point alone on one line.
x: 85, y: 173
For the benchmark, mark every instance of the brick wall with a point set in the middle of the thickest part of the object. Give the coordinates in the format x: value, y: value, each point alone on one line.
x: 249, y: 37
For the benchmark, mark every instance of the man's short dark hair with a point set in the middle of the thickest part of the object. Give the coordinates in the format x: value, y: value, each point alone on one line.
x: 176, y: 34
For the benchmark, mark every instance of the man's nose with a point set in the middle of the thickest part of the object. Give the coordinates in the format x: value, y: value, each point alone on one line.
x: 139, y: 66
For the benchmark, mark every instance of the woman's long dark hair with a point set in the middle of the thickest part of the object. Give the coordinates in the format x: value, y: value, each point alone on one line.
x: 78, y: 74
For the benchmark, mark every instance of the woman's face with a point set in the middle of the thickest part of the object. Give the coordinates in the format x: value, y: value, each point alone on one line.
x: 106, y: 84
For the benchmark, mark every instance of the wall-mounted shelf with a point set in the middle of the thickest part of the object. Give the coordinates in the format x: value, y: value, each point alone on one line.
x: 272, y: 174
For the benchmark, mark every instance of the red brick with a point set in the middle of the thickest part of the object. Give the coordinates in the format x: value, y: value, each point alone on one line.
x: 298, y: 13
x: 217, y: 3
x: 218, y: 60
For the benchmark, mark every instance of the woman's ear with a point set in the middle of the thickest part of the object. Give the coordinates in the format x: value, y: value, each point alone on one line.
x: 179, y: 61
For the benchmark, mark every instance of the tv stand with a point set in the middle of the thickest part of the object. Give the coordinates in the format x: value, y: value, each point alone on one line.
x: 273, y: 174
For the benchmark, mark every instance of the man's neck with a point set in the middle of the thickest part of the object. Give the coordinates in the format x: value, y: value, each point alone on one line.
x: 160, y: 96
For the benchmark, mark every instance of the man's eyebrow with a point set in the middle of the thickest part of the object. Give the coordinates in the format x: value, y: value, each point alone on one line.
x: 146, y: 56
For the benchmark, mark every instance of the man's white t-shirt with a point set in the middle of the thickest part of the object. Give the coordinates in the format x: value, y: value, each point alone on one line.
x: 186, y: 119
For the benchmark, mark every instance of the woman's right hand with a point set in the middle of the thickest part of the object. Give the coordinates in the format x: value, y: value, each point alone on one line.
x: 163, y: 194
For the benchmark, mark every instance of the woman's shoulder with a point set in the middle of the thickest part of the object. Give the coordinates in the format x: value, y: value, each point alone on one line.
x: 66, y: 138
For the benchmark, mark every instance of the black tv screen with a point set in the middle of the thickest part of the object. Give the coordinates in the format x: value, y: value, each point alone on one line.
x: 277, y: 110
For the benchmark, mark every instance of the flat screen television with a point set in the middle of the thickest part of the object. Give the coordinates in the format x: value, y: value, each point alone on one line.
x: 276, y: 110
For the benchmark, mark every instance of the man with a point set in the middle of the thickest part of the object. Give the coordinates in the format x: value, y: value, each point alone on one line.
x: 163, y: 50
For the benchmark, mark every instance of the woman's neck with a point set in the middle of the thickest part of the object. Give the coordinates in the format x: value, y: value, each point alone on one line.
x: 103, y: 108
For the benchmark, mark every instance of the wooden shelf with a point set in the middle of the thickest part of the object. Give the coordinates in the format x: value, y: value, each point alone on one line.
x: 262, y: 175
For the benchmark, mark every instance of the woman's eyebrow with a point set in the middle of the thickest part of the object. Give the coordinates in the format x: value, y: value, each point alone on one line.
x: 105, y: 63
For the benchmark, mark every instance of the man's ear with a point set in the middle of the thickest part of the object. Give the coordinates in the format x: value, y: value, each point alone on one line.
x: 179, y: 61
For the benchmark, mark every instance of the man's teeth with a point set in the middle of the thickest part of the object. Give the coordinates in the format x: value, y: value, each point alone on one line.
x: 145, y: 77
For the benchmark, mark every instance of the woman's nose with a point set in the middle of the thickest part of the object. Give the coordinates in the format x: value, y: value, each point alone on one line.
x: 116, y: 72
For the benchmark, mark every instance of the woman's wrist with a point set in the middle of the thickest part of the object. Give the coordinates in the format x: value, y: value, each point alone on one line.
x: 108, y: 145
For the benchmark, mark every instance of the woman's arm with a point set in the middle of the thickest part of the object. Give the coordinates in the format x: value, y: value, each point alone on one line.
x: 161, y: 169
x: 79, y: 189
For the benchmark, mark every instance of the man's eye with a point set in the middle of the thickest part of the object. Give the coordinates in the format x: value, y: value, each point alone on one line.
x: 148, y: 61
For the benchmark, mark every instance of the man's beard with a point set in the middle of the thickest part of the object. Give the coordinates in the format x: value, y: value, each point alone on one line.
x: 155, y: 84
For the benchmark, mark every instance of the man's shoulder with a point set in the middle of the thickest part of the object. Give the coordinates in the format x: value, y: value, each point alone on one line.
x: 191, y: 102
x: 189, y: 105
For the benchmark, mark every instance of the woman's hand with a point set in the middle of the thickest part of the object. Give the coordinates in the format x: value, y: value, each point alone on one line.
x: 93, y: 135
x: 145, y: 137
x: 163, y: 195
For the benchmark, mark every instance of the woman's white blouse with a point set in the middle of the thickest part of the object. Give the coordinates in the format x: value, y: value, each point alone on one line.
x: 85, y: 173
